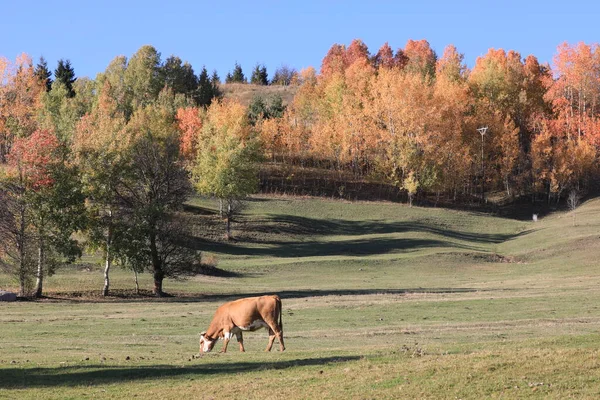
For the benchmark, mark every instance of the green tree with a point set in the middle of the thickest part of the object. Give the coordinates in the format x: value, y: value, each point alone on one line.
x: 180, y: 77
x: 276, y: 107
x: 65, y: 74
x: 237, y: 76
x: 43, y: 73
x: 228, y: 151
x: 257, y: 109
x: 215, y: 81
x: 154, y: 187
x: 120, y: 94
x: 143, y: 78
x: 206, y: 88
x: 259, y: 75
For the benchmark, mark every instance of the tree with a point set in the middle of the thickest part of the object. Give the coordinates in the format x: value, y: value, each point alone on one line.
x: 180, y: 77
x: 189, y: 121
x: 206, y: 88
x: 259, y: 75
x: 20, y: 91
x: 43, y: 73
x: 100, y: 145
x: 43, y: 208
x: 143, y: 78
x: 215, y: 81
x: 237, y: 76
x: 65, y: 74
x: 284, y: 75
x: 154, y: 187
x: 411, y: 185
x: 573, y: 202
x: 226, y: 166
x: 421, y: 58
x: 121, y: 95
x: 257, y: 109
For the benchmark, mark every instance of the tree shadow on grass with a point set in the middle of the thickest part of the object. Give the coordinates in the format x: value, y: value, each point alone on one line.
x: 356, y: 247
x: 296, y: 225
x: 305, y: 293
x: 88, y: 375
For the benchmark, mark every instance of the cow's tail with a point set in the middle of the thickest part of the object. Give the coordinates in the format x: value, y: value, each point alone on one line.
x: 280, y: 313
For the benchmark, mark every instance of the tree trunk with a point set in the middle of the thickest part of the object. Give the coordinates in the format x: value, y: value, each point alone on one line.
x: 228, y: 222
x: 22, y: 262
x: 158, y: 272
x: 40, y: 270
x: 108, y: 261
x: 137, y: 284
x: 107, y: 265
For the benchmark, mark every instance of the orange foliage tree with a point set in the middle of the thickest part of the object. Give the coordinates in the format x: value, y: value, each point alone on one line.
x: 20, y: 92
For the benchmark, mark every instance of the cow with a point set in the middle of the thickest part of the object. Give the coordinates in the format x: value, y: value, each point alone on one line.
x: 247, y: 314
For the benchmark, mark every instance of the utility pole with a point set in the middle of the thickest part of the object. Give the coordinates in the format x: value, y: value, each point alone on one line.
x: 482, y: 131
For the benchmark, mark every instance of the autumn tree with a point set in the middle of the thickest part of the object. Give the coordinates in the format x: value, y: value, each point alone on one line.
x: 43, y: 208
x: 226, y: 166
x: 20, y: 91
x: 189, y: 122
x: 100, y: 146
x: 421, y: 58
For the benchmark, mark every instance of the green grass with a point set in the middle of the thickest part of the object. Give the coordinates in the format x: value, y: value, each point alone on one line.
x: 380, y: 301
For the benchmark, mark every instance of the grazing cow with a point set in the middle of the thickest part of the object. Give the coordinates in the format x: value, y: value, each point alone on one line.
x: 247, y: 314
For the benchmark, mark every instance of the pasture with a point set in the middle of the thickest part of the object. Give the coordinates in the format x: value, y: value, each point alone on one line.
x: 379, y: 301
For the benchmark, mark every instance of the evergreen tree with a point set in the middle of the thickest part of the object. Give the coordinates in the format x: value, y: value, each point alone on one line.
x: 43, y: 73
x: 215, y: 81
x: 237, y: 76
x: 276, y: 107
x: 205, y: 91
x: 179, y: 76
x: 257, y: 109
x: 259, y: 75
x: 65, y: 74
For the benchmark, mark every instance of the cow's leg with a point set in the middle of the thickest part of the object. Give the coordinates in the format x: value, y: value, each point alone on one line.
x: 271, y: 339
x: 275, y: 332
x: 280, y: 338
x: 225, y: 343
x: 240, y: 340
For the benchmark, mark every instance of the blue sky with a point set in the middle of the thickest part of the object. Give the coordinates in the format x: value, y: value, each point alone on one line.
x: 218, y: 34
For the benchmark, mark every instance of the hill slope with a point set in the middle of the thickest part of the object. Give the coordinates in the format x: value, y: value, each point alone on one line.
x: 245, y: 92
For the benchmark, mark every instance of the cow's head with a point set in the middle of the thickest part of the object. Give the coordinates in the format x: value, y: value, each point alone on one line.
x: 206, y: 343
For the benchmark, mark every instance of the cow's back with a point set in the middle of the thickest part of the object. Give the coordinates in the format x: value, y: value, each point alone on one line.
x: 245, y: 311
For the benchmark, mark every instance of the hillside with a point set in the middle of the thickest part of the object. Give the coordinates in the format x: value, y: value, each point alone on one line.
x: 245, y: 92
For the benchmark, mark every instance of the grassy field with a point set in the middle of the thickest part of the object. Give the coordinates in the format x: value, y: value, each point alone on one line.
x: 380, y: 301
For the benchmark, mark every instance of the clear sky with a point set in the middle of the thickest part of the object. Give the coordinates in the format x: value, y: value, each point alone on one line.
x: 297, y: 33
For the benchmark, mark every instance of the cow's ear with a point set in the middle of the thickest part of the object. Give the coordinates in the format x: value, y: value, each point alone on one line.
x: 202, y: 333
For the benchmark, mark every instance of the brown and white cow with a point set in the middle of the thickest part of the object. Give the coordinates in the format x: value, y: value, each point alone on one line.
x: 248, y: 314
